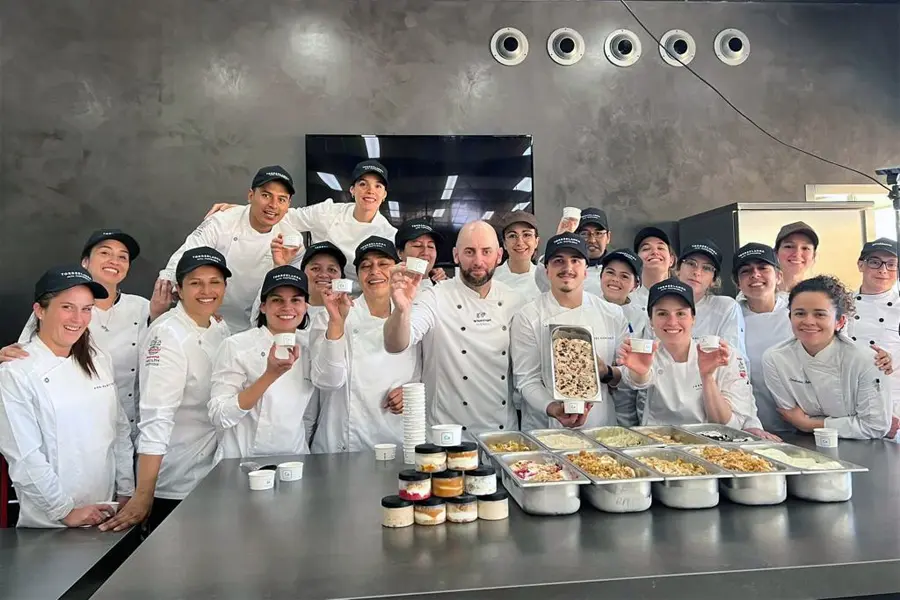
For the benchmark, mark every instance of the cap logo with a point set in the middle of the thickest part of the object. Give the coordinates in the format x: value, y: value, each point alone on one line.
x: 569, y: 240
x: 374, y: 168
x: 285, y: 277
x: 882, y: 245
x: 75, y: 275
x: 279, y: 175
x: 671, y: 287
x: 421, y: 226
x: 372, y: 245
x: 751, y: 252
x: 215, y: 259
x: 705, y: 248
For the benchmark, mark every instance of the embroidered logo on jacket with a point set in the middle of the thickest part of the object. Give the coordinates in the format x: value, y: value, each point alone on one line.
x: 152, y: 357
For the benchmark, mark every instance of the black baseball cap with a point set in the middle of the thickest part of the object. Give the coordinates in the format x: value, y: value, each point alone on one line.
x: 880, y: 245
x: 200, y: 257
x: 647, y: 232
x: 323, y: 248
x: 593, y: 216
x: 273, y: 173
x: 373, y: 243
x: 112, y: 234
x: 753, y: 252
x: 62, y: 278
x: 626, y: 256
x: 707, y: 248
x: 414, y: 228
x: 370, y: 166
x: 284, y: 275
x: 797, y: 227
x: 565, y: 241
x: 670, y: 287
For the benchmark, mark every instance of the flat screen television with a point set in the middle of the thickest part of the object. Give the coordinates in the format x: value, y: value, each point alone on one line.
x: 449, y: 179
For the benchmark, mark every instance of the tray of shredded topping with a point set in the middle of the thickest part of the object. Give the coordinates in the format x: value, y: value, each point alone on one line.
x: 669, y: 435
x: 689, y: 482
x: 573, y: 363
x: 541, y: 483
x: 618, y: 437
x: 620, y: 484
x: 756, y: 481
x: 562, y: 439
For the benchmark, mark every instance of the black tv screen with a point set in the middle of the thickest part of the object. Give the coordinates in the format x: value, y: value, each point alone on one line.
x: 450, y: 180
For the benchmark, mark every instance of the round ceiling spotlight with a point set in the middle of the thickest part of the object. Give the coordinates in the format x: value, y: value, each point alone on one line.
x: 622, y: 48
x: 509, y: 46
x: 565, y: 46
x: 677, y: 47
x: 732, y: 47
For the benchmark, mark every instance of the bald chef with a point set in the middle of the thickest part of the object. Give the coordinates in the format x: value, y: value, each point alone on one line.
x: 244, y: 236
x: 463, y: 325
x: 593, y: 227
x: 565, y: 304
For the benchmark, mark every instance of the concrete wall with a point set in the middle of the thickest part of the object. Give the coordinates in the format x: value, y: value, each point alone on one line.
x: 141, y: 114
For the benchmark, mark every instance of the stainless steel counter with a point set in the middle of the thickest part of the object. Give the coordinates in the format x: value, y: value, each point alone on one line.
x: 321, y: 538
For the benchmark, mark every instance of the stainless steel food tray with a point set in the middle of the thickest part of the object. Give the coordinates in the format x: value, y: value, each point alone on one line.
x: 617, y: 495
x: 543, y: 498
x: 683, y: 491
x: 492, y: 437
x: 682, y: 437
x: 593, y: 432
x: 576, y: 333
x: 573, y: 433
x: 732, y: 435
x: 750, y: 488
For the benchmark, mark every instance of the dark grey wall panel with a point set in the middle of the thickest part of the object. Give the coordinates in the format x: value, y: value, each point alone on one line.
x: 140, y: 115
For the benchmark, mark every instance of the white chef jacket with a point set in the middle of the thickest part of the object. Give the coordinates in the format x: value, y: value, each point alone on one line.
x: 591, y: 283
x: 765, y: 330
x: 531, y: 347
x: 117, y: 332
x: 877, y: 321
x: 521, y: 283
x: 465, y: 346
x: 355, y: 375
x: 425, y: 284
x: 637, y: 318
x: 629, y: 402
x: 721, y: 316
x: 176, y: 366
x: 64, y: 434
x: 247, y: 252
x: 840, y: 383
x: 675, y: 391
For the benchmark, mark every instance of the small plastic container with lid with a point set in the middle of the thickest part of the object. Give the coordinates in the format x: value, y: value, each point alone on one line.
x: 396, y: 512
x: 447, y: 484
x: 414, y: 485
x: 463, y: 457
x: 462, y: 509
x: 482, y: 481
x: 494, y: 507
x: 430, y: 458
x: 432, y: 511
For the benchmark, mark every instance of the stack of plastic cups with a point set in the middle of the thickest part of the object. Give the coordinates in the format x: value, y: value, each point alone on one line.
x: 413, y: 420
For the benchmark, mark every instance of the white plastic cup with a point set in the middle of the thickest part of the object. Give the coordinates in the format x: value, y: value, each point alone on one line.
x: 261, y: 480
x: 574, y: 407
x: 446, y: 435
x: 826, y: 437
x: 572, y: 212
x: 385, y: 451
x: 283, y: 344
x: 291, y: 241
x: 342, y: 285
x: 641, y: 346
x: 709, y: 343
x: 416, y: 265
x: 290, y: 471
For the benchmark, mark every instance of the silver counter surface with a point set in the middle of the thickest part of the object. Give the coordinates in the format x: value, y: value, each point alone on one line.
x: 322, y: 538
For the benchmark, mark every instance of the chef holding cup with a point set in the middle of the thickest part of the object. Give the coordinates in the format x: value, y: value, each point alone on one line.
x: 591, y: 224
x: 416, y: 239
x: 360, y: 383
x: 565, y: 304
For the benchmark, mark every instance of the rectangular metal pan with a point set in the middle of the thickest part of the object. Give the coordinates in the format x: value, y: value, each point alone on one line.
x: 539, y: 498
x: 681, y: 437
x: 595, y: 433
x: 683, y: 491
x: 575, y: 333
x: 618, y: 495
x: 751, y: 488
x: 585, y: 441
x: 730, y: 434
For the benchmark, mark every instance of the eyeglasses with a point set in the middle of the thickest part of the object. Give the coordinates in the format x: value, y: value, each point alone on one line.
x: 705, y: 267
x: 512, y: 236
x: 593, y: 235
x: 877, y: 263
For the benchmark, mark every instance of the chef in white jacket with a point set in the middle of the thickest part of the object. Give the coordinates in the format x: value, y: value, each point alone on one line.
x: 416, y: 238
x: 820, y: 378
x: 796, y: 246
x: 118, y: 321
x: 260, y: 393
x: 177, y: 442
x: 463, y: 325
x: 361, y: 384
x: 593, y: 226
x: 652, y: 245
x: 244, y: 237
x: 62, y: 428
x: 565, y: 304
x: 699, y: 266
x: 519, y: 233
x: 688, y: 385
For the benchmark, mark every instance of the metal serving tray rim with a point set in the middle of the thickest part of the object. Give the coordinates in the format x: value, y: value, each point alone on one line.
x: 848, y: 467
x: 783, y: 470
x: 480, y: 440
x: 701, y: 440
x: 506, y: 459
x: 714, y: 470
x: 534, y: 433
x: 691, y: 427
x: 618, y: 455
x: 557, y: 395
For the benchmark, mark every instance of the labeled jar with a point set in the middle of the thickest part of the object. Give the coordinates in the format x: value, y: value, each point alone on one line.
x: 447, y: 484
x: 462, y: 509
x: 463, y: 457
x: 414, y: 485
x: 430, y: 458
x: 481, y: 482
x: 432, y: 511
x: 396, y: 512
x: 494, y: 507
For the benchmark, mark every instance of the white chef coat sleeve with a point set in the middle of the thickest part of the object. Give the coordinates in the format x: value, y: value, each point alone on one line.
x: 206, y: 234
x: 540, y: 276
x: 629, y: 383
x: 423, y: 317
x: 525, y: 351
x: 227, y: 382
x: 330, y: 359
x: 872, y: 418
x: 163, y: 374
x: 311, y: 218
x: 734, y: 385
x: 28, y: 330
x: 783, y: 398
x: 732, y: 329
x: 20, y: 443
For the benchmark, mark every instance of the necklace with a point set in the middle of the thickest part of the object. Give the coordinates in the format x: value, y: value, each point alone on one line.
x: 109, y: 314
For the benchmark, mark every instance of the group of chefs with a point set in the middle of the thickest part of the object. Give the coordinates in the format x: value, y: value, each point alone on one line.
x: 114, y: 407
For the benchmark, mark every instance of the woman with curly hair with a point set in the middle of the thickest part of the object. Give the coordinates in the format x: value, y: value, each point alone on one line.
x: 819, y: 378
